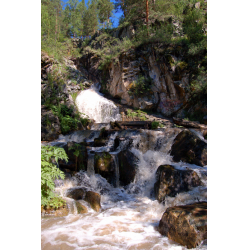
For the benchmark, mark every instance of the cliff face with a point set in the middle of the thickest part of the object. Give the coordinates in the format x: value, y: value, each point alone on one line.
x: 169, y: 88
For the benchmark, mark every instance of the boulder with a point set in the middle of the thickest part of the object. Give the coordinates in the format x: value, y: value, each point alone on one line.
x: 186, y: 225
x: 188, y: 147
x: 171, y: 181
x: 127, y: 167
x: 94, y: 199
x: 81, y: 209
x: 76, y: 193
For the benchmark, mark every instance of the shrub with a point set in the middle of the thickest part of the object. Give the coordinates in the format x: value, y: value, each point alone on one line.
x: 141, y: 86
x: 49, y: 172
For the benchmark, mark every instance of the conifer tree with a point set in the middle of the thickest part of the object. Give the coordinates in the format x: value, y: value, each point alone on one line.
x: 105, y: 8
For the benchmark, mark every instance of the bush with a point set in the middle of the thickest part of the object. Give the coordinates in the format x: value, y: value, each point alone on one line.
x: 49, y: 172
x: 141, y: 86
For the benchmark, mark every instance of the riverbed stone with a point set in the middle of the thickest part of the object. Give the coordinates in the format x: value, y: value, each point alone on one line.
x: 81, y: 209
x: 188, y: 147
x: 76, y: 193
x: 171, y: 181
x: 94, y: 199
x: 186, y: 225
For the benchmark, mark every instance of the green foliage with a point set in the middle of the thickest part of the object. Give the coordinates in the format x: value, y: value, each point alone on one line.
x: 141, y: 86
x: 74, y: 95
x: 137, y: 113
x: 76, y: 151
x: 155, y: 125
x: 49, y: 172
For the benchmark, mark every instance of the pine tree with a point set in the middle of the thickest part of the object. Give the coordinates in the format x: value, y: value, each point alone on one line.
x: 105, y: 8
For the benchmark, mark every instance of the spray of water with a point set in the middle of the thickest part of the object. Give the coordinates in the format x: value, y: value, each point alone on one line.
x: 92, y: 104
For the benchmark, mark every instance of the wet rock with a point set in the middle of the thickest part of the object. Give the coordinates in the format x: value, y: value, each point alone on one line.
x: 99, y: 142
x: 94, y: 199
x: 76, y: 193
x: 59, y: 212
x: 104, y: 166
x: 127, y: 167
x: 188, y: 147
x: 171, y: 181
x: 186, y: 225
x: 81, y: 209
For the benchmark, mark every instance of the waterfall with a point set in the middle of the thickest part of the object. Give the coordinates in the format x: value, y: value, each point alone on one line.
x: 90, y: 166
x: 131, y: 214
x: 116, y: 164
x: 92, y: 104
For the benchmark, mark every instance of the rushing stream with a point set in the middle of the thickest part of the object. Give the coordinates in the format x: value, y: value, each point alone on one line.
x: 130, y: 215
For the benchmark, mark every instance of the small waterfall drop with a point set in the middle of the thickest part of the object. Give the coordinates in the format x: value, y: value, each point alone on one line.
x: 116, y: 164
x: 90, y: 167
x: 90, y: 102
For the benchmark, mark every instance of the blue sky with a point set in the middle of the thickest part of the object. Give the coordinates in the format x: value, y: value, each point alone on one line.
x: 115, y: 17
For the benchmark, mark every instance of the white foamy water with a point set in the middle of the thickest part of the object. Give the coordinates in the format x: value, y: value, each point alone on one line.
x: 130, y: 215
x: 126, y: 221
x: 91, y: 103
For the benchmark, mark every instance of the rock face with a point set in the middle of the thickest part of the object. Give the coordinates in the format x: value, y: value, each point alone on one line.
x: 171, y: 181
x: 168, y: 91
x: 50, y: 125
x: 94, y: 199
x: 189, y: 148
x: 186, y: 225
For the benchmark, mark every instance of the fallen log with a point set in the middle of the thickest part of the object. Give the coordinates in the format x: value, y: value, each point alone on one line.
x: 188, y: 124
x: 135, y: 123
x: 126, y: 124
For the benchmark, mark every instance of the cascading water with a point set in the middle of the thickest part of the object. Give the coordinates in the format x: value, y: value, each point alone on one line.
x: 129, y: 217
x: 91, y: 103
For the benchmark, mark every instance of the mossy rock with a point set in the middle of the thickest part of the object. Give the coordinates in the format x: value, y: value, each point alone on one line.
x: 81, y: 209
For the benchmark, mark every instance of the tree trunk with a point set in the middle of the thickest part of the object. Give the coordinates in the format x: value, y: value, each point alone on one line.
x: 188, y: 124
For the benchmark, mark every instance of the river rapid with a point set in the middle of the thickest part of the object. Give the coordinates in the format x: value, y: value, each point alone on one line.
x: 130, y: 215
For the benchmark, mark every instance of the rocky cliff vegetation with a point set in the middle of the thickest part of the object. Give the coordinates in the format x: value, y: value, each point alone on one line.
x: 123, y: 121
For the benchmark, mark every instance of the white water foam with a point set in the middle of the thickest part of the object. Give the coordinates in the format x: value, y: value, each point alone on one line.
x: 92, y: 104
x: 129, y: 217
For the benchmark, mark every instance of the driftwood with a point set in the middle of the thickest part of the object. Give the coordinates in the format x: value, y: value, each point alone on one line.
x: 188, y: 124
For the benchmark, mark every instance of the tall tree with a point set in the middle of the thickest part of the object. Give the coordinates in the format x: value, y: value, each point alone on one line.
x: 105, y: 8
x: 81, y: 10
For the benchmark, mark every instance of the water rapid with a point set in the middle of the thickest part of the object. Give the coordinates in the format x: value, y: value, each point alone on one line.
x: 130, y: 214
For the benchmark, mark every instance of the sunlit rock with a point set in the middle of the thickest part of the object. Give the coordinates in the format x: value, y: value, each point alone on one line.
x: 186, y: 225
x: 171, y: 181
x: 94, y: 199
